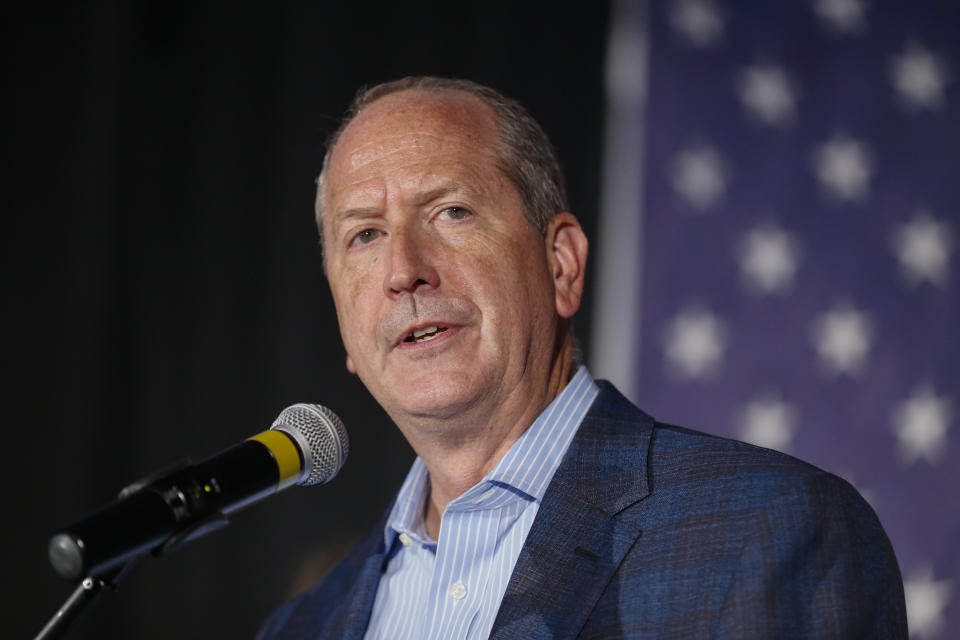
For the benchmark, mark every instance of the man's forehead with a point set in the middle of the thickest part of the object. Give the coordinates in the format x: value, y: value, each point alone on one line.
x: 394, y: 142
x: 429, y: 136
x: 410, y: 121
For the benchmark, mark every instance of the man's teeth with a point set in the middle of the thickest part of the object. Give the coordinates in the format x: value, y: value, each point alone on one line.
x: 422, y: 332
x: 427, y: 333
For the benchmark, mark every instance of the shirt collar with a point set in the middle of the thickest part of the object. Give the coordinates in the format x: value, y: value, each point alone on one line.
x: 527, y: 467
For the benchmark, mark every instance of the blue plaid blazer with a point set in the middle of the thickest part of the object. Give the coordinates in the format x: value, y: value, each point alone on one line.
x: 653, y: 531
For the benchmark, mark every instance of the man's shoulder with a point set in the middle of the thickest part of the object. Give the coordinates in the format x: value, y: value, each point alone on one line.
x: 703, y: 455
x: 711, y: 474
x: 688, y: 462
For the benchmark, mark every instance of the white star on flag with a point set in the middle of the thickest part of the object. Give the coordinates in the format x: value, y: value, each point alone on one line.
x: 926, y: 599
x: 919, y: 77
x: 843, y: 167
x: 699, y: 21
x: 768, y: 422
x: 920, y: 424
x: 923, y: 246
x: 700, y: 177
x: 768, y: 94
x: 842, y: 16
x: 842, y: 337
x: 768, y: 259
x: 694, y: 344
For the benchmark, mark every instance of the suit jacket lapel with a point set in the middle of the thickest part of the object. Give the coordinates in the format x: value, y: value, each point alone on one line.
x: 582, y: 531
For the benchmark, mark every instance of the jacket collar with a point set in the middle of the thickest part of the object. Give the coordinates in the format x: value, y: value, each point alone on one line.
x: 584, y: 527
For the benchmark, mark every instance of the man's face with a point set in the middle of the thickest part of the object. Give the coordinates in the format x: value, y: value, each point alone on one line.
x: 442, y: 286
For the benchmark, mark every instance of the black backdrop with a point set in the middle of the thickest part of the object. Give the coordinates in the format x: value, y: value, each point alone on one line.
x: 164, y: 295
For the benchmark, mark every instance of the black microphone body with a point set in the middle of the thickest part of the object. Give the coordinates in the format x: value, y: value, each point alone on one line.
x: 154, y: 511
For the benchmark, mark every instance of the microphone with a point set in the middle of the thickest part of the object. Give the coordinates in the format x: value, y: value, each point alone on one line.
x: 306, y: 445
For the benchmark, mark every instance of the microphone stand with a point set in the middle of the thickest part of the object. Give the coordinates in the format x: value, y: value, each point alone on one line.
x: 90, y: 588
x: 85, y: 594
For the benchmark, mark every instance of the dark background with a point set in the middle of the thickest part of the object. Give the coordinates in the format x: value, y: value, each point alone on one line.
x: 164, y: 293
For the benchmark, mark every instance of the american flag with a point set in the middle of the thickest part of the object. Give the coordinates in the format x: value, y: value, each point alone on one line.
x: 778, y: 248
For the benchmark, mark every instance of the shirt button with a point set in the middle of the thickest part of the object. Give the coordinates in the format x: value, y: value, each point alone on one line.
x: 458, y: 591
x: 405, y: 540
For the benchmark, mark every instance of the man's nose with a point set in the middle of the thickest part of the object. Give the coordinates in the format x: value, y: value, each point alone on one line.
x: 411, y: 265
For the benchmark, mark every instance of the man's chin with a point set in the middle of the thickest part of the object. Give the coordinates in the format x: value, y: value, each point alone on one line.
x: 430, y: 399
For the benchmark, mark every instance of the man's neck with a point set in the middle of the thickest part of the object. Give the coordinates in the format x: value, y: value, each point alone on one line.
x: 456, y: 465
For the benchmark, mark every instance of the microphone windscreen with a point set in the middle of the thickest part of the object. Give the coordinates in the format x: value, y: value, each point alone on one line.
x: 322, y: 439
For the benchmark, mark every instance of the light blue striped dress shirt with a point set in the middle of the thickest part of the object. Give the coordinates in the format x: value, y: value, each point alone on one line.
x: 452, y: 587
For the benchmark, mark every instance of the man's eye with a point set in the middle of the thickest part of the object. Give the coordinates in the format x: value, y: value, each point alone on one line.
x: 365, y: 237
x: 455, y: 213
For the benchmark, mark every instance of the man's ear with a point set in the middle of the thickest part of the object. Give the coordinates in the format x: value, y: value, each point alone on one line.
x: 352, y: 368
x: 567, y: 248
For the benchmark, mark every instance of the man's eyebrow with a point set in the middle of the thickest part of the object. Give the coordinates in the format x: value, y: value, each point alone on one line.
x: 436, y: 193
x: 420, y: 198
x: 339, y: 218
x: 356, y: 212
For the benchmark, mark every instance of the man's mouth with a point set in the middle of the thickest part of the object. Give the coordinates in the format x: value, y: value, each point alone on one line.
x: 425, y: 334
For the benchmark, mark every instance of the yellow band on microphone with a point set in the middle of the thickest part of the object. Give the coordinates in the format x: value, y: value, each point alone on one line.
x: 284, y: 452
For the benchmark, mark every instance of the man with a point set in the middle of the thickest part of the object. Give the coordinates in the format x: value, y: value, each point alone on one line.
x: 542, y: 504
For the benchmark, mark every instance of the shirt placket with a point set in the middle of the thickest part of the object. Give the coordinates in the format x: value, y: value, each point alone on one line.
x: 463, y: 558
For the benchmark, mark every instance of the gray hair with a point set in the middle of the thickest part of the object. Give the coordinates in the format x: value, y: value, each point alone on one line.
x: 526, y: 156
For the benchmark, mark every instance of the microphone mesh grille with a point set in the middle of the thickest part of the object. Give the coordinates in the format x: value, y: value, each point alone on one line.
x: 322, y: 437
